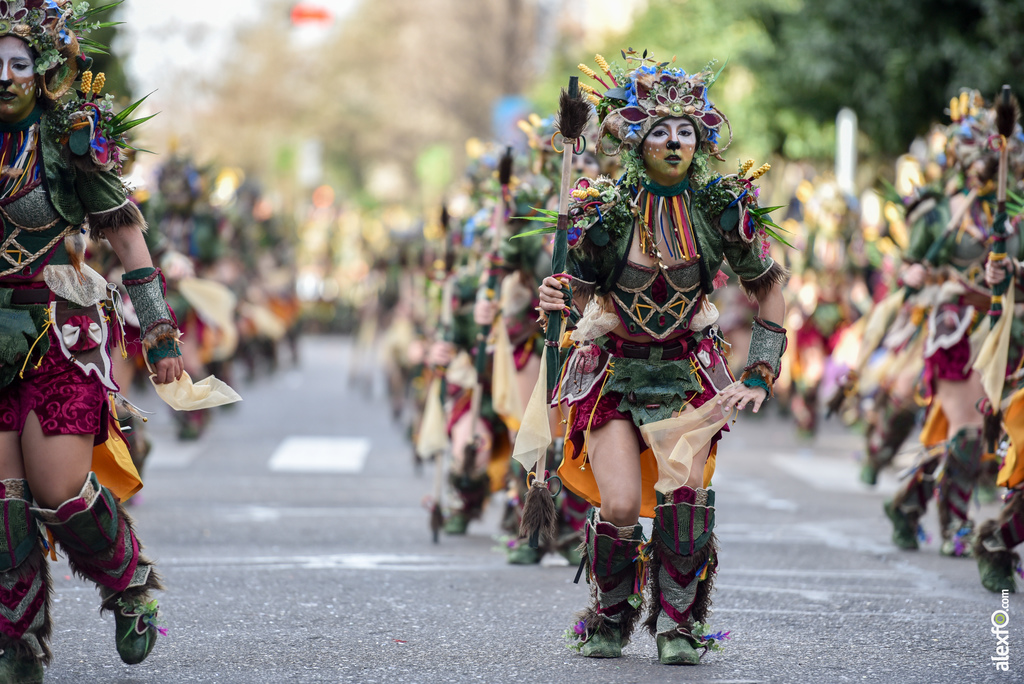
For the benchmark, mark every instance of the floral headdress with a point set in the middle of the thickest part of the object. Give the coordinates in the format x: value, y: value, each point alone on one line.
x: 634, y: 101
x: 54, y: 29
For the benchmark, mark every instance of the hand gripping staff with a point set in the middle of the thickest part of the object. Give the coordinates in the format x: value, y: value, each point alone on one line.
x: 539, y: 508
x: 489, y: 293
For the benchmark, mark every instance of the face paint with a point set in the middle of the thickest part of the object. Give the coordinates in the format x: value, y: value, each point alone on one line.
x: 668, y: 150
x: 17, y: 80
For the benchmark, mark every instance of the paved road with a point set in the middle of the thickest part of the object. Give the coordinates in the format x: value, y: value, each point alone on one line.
x: 278, y: 571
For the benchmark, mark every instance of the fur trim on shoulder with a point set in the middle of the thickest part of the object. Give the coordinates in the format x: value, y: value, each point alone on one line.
x: 125, y: 216
x: 760, y: 286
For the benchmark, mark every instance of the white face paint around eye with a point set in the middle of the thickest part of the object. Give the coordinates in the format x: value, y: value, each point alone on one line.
x: 16, y: 62
x: 17, y: 80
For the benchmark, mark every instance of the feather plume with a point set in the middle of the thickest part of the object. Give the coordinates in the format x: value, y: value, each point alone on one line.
x: 573, y: 115
x: 1007, y: 112
x: 505, y: 167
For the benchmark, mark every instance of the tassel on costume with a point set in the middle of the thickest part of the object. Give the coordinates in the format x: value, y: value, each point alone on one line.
x: 539, y: 516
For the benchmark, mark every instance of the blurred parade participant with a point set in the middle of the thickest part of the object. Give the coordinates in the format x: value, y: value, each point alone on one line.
x: 524, y: 261
x: 1002, y: 360
x: 891, y: 362
x: 951, y: 231
x: 648, y: 391
x: 995, y: 541
x: 820, y: 311
x: 186, y: 236
x: 479, y: 438
x: 61, y: 163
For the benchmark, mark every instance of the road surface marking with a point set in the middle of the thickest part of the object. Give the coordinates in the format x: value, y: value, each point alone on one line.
x: 320, y: 455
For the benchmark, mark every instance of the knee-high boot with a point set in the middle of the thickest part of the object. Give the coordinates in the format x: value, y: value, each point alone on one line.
x: 24, y: 588
x: 910, y: 503
x: 896, y: 422
x: 572, y: 520
x: 994, y: 544
x: 685, y: 557
x: 956, y: 486
x: 471, y: 493
x: 97, y: 534
x: 611, y: 554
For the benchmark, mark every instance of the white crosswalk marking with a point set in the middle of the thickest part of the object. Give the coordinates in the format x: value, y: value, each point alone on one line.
x: 320, y: 455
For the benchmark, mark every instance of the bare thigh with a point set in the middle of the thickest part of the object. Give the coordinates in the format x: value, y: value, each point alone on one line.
x: 11, y: 465
x: 959, y: 402
x: 905, y: 383
x: 462, y: 436
x: 614, y: 453
x: 55, y: 466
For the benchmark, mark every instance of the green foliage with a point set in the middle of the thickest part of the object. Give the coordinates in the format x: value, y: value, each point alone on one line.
x: 895, y: 62
x: 106, y: 35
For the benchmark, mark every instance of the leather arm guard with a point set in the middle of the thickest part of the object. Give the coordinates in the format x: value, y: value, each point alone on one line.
x: 764, y: 360
x: 159, y: 327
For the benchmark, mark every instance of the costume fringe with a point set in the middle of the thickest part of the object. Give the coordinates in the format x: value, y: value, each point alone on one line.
x: 595, y: 622
x: 125, y: 216
x: 160, y: 333
x: 701, y: 608
x: 539, y: 514
x: 760, y: 286
x: 988, y: 529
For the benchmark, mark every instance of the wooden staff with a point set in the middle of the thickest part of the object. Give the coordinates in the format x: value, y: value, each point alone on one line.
x: 539, y: 513
x: 1007, y: 113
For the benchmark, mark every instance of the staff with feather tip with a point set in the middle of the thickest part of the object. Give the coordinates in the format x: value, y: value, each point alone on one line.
x: 489, y: 296
x: 432, y: 440
x: 539, y: 515
x: 1007, y: 113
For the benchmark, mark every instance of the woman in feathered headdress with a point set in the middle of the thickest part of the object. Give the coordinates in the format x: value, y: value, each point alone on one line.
x: 60, y: 152
x: 646, y: 386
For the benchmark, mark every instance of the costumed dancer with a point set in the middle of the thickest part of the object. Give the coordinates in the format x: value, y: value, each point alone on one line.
x: 60, y: 178
x: 951, y: 233
x: 646, y: 387
x: 1002, y: 360
x: 883, y: 380
x: 479, y: 439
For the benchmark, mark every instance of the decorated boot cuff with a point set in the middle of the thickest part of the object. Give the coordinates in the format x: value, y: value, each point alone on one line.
x: 764, y: 361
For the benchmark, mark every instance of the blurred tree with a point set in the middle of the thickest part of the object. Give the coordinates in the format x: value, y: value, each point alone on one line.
x: 111, y: 64
x: 895, y: 62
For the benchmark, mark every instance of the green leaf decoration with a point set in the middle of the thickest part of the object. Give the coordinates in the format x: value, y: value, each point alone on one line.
x: 127, y: 111
x: 636, y: 600
x: 547, y: 230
